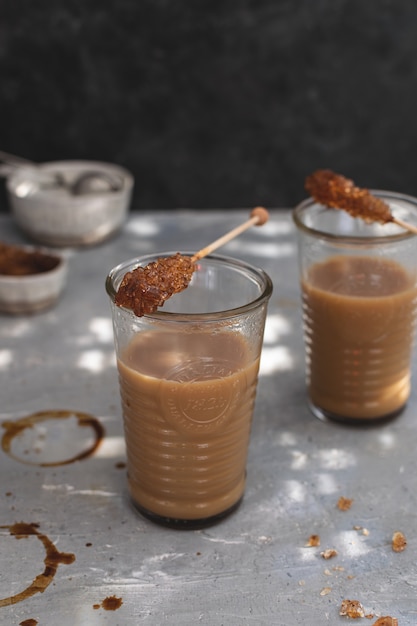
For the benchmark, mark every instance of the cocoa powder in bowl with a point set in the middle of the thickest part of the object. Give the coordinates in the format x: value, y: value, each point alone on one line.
x: 31, y: 279
x: 16, y: 261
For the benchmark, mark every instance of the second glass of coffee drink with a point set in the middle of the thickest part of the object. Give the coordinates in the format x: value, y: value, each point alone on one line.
x: 188, y: 377
x: 359, y: 297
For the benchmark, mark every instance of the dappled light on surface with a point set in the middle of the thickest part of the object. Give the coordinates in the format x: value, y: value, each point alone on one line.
x: 275, y: 228
x: 6, y: 357
x: 286, y: 439
x: 143, y: 227
x: 336, y: 459
x: 19, y: 328
x: 101, y: 328
x: 95, y: 361
x: 275, y: 359
x: 352, y: 544
x: 295, y: 491
x: 326, y: 484
x: 111, y: 447
x: 70, y: 490
x: 307, y: 555
x: 262, y: 249
x: 275, y: 327
x: 387, y: 440
x: 299, y: 460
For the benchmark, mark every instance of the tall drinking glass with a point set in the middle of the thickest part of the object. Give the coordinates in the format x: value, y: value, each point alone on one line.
x: 359, y: 296
x: 188, y: 377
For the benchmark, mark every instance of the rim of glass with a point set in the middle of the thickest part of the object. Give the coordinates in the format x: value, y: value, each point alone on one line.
x: 259, y: 274
x: 302, y: 207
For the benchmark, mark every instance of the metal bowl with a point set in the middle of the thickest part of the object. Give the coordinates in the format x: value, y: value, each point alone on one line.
x: 70, y: 203
x: 31, y: 285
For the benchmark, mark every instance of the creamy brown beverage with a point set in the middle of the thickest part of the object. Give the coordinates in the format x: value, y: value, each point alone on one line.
x: 187, y: 401
x: 359, y: 315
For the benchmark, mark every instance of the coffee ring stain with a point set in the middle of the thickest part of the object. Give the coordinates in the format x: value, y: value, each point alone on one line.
x: 53, y: 558
x: 84, y: 420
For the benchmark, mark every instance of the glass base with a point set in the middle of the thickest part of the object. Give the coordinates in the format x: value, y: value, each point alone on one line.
x: 186, y: 524
x: 328, y: 416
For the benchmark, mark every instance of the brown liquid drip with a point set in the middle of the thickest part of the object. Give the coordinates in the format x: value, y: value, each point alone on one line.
x: 29, y: 622
x: 53, y: 558
x: 336, y: 191
x: 111, y: 603
x: 14, y: 429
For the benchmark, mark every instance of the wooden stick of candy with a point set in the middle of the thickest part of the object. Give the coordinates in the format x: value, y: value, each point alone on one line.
x: 336, y: 191
x: 258, y: 216
x: 144, y: 289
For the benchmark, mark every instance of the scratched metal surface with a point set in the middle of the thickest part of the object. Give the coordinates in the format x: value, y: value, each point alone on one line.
x: 252, y: 569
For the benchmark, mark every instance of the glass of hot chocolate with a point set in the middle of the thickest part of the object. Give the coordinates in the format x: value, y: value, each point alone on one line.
x: 188, y: 378
x: 359, y: 300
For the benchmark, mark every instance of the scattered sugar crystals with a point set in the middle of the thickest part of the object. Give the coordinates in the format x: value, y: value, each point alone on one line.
x: 352, y: 608
x: 399, y: 542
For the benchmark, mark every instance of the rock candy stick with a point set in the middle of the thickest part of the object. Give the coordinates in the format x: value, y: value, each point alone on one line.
x: 336, y: 191
x: 145, y: 289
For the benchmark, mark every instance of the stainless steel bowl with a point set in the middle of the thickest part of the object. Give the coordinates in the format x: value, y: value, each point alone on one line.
x: 70, y: 203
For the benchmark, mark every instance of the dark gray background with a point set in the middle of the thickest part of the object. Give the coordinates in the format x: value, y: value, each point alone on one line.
x: 215, y: 103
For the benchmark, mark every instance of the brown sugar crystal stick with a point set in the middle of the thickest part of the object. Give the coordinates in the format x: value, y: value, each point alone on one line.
x: 336, y: 191
x: 144, y: 289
